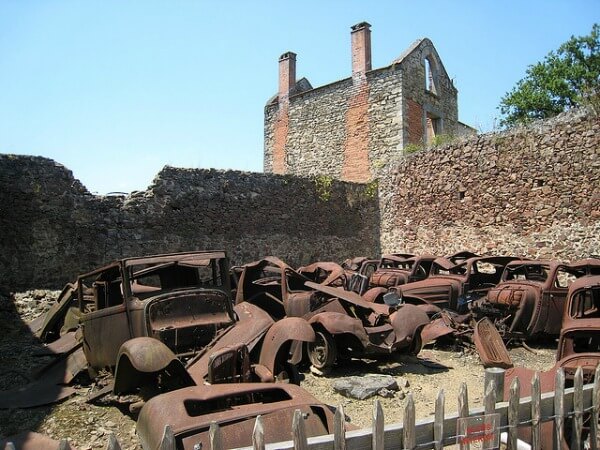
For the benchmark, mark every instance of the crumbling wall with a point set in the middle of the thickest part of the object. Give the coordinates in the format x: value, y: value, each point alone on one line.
x: 53, y: 228
x: 531, y: 191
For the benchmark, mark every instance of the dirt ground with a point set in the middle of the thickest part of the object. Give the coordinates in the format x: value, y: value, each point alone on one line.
x: 87, y: 426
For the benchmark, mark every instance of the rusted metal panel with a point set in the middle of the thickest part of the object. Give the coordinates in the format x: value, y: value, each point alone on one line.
x: 230, y: 365
x: 434, y: 330
x: 327, y: 273
x: 143, y: 358
x: 490, y: 346
x: 340, y: 323
x: 283, y: 332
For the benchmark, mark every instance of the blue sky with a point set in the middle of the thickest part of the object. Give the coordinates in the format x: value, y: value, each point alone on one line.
x: 115, y: 90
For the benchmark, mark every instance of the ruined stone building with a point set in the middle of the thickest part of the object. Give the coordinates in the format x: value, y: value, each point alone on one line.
x: 353, y: 128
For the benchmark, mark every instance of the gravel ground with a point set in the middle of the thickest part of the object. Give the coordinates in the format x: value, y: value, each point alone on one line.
x: 87, y: 426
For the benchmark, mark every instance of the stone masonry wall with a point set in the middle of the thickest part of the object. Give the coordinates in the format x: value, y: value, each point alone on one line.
x: 529, y: 192
x: 343, y: 130
x: 53, y: 228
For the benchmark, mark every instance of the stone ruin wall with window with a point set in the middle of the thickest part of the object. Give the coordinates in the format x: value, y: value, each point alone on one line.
x: 356, y: 128
x: 531, y: 191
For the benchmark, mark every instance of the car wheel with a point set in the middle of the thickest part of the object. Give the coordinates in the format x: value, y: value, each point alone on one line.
x: 323, y: 351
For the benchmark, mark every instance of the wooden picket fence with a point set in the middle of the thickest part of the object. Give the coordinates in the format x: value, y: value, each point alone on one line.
x: 559, y: 406
x: 441, y: 430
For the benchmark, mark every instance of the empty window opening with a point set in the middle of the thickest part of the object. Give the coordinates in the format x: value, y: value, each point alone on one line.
x: 433, y: 127
x: 430, y: 76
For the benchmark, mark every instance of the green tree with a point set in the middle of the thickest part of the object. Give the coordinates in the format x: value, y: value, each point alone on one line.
x: 566, y: 78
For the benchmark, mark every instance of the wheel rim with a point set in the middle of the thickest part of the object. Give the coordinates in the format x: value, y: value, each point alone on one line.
x: 321, y: 351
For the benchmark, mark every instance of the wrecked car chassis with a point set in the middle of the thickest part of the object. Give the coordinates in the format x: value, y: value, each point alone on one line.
x: 455, y: 285
x: 345, y: 324
x: 530, y: 299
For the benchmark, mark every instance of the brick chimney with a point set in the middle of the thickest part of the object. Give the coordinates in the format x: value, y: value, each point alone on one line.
x: 287, y: 74
x: 361, y: 48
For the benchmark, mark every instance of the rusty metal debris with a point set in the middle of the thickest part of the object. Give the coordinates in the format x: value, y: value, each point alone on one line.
x: 202, y: 342
x: 490, y: 346
x: 394, y: 270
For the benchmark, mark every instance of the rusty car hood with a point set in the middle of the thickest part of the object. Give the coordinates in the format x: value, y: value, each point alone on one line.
x: 253, y: 323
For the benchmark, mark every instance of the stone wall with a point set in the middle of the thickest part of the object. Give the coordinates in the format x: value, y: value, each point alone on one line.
x: 531, y: 191
x: 53, y: 228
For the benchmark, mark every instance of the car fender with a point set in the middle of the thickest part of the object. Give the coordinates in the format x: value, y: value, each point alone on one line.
x: 408, y: 321
x: 338, y: 323
x: 282, y: 332
x: 143, y: 356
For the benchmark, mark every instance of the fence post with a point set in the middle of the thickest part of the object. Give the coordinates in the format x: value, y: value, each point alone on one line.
x: 113, y: 443
x: 438, y: 425
x: 377, y: 439
x: 409, y: 438
x: 339, y: 429
x: 299, y: 431
x: 595, y: 406
x: 214, y: 436
x: 495, y: 374
x: 559, y: 407
x: 577, y: 408
x: 168, y: 439
x: 536, y: 424
x: 489, y: 398
x: 463, y: 406
x: 513, y: 414
x: 258, y: 434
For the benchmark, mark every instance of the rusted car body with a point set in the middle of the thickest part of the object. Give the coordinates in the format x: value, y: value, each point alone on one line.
x: 327, y: 273
x: 454, y: 286
x: 394, y: 270
x: 348, y: 326
x: 341, y: 319
x: 180, y: 299
x: 578, y: 346
x: 190, y: 411
x: 146, y: 317
x: 530, y: 299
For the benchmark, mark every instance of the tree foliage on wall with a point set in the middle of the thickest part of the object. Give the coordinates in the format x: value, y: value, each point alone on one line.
x: 567, y: 77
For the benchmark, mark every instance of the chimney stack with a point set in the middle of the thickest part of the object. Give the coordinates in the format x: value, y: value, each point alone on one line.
x: 287, y: 74
x: 361, y: 49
